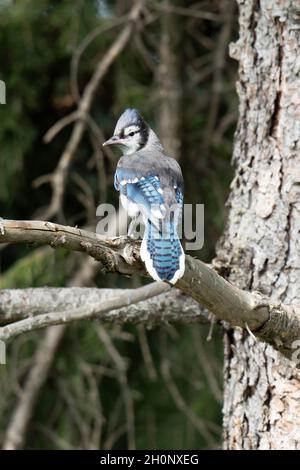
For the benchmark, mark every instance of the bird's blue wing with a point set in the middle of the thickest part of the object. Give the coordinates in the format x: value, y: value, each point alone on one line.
x: 179, y: 195
x: 145, y: 191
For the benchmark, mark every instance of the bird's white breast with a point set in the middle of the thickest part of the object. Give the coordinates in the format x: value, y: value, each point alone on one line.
x: 131, y: 208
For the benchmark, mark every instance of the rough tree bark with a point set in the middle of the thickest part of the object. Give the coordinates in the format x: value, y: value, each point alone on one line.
x: 261, y: 248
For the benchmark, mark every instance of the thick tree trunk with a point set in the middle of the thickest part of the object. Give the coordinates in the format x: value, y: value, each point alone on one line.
x: 261, y: 245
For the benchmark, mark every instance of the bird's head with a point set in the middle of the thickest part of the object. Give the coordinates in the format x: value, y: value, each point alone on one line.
x: 131, y: 132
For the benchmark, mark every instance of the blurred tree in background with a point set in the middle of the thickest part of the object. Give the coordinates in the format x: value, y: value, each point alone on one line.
x: 111, y: 387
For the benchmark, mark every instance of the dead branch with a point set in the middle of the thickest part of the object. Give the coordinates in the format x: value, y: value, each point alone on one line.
x: 166, y: 308
x: 60, y: 174
x: 121, y: 367
x: 44, y: 356
x: 84, y: 45
x: 146, y: 352
x: 183, y: 407
x: 15, y: 434
x: 92, y: 311
x: 199, y: 14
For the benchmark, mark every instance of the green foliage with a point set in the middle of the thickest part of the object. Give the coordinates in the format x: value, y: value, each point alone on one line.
x: 42, y: 267
x: 35, y: 54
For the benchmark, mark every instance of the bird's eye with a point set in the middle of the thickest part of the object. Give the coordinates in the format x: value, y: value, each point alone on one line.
x: 131, y: 134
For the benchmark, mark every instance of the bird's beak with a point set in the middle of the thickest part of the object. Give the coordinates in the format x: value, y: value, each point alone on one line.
x: 114, y: 140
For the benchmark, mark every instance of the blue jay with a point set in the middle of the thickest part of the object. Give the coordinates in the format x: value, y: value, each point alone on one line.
x: 150, y: 184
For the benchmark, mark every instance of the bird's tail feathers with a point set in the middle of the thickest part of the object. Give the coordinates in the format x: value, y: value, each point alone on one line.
x: 162, y: 252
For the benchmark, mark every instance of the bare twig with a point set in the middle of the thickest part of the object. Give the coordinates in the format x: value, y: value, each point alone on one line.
x: 87, y: 312
x: 199, y: 14
x: 204, y: 362
x: 169, y: 89
x: 226, y: 10
x: 85, y: 196
x: 167, y: 308
x: 142, y: 336
x: 99, y: 158
x: 59, y: 126
x: 16, y: 432
x: 113, y: 437
x: 121, y: 366
x: 197, y: 422
x: 60, y: 174
x: 84, y: 45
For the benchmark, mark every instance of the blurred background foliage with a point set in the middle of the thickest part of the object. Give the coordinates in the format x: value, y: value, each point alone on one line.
x: 113, y: 387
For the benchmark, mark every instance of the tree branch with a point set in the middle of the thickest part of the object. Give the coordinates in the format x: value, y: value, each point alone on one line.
x: 272, y: 322
x: 169, y: 307
x: 42, y: 360
x: 92, y: 311
x: 60, y: 174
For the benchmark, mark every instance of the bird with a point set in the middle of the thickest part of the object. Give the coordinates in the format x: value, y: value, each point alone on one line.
x: 151, y: 185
